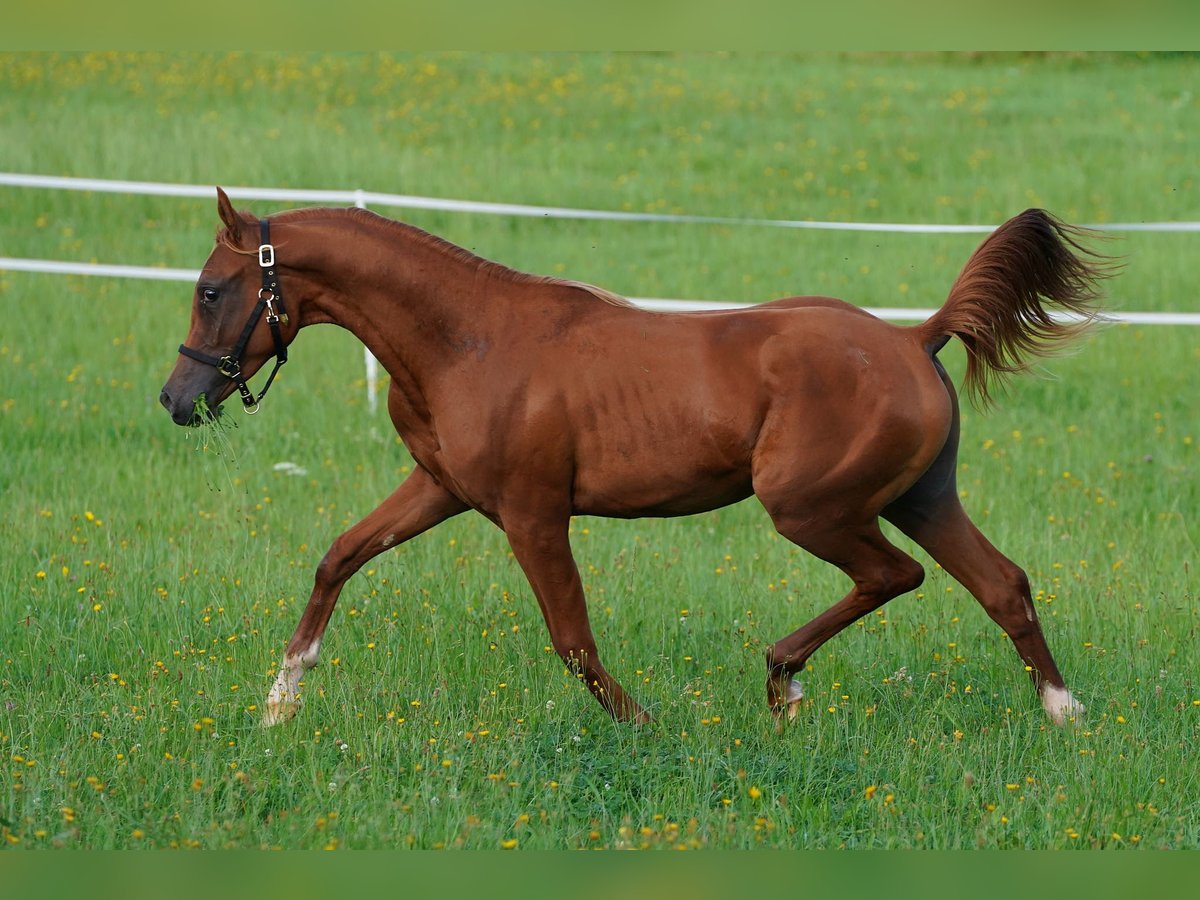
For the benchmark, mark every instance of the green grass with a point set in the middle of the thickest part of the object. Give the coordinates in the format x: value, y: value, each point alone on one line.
x: 151, y: 582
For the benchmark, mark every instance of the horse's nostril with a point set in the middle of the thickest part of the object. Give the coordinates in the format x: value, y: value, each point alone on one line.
x: 165, y: 399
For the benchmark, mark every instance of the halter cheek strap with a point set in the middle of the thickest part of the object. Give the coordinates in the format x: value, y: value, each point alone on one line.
x: 269, y: 296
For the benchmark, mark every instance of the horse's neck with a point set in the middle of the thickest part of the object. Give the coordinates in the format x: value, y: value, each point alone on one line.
x: 407, y: 298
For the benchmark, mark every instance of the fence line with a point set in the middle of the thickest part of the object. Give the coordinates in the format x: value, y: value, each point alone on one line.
x: 408, y: 201
x: 658, y: 304
x: 362, y: 198
x: 54, y: 267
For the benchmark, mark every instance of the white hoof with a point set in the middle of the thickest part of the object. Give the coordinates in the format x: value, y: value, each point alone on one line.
x: 1061, y: 706
x: 279, y: 712
x: 283, y: 701
x: 787, y: 710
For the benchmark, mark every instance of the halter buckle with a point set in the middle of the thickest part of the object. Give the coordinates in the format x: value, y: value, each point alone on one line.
x: 266, y: 255
x: 229, y: 367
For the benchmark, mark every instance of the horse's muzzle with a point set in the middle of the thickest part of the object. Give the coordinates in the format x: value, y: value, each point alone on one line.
x: 181, y: 414
x: 188, y: 382
x: 184, y: 412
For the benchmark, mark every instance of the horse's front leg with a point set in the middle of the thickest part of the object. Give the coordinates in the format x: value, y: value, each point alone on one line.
x: 543, y: 550
x: 417, y: 505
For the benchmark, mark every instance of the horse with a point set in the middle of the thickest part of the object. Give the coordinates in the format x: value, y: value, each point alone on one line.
x: 533, y: 399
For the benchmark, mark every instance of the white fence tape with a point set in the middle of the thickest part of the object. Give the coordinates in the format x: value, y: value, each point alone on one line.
x: 407, y: 201
x: 53, y: 267
x: 660, y: 304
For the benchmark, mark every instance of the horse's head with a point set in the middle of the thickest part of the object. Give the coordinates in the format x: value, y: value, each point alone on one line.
x: 238, y: 321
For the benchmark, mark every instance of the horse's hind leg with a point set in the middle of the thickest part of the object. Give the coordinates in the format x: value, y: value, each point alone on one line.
x: 879, y: 570
x: 417, y: 505
x: 543, y: 550
x: 941, y: 526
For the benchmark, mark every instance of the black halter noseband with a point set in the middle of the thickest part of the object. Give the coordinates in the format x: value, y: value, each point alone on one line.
x: 269, y: 296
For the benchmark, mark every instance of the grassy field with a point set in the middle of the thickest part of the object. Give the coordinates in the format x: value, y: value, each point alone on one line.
x: 151, y: 583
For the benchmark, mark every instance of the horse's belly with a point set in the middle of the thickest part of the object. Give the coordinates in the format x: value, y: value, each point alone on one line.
x: 666, y: 487
x: 662, y: 448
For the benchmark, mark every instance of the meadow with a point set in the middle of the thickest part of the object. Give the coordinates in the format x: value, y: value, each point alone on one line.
x: 152, y: 578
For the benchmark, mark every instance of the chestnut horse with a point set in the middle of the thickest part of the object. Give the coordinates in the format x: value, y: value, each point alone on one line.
x: 533, y: 399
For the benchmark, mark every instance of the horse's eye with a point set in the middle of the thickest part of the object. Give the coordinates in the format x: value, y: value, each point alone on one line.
x: 210, y: 295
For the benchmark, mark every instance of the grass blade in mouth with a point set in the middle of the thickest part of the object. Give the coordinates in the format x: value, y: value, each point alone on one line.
x: 211, y: 431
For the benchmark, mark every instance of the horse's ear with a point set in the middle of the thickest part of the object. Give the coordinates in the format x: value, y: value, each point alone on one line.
x: 227, y: 213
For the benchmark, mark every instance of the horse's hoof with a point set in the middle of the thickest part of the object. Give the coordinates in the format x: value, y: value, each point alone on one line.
x: 787, y: 710
x: 279, y: 711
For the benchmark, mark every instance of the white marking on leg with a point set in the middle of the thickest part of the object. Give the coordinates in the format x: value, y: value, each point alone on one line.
x: 283, y: 702
x: 1060, y: 705
x: 795, y: 692
x: 795, y: 696
x: 389, y: 540
x: 308, y: 656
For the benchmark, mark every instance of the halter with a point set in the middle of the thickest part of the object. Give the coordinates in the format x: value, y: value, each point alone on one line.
x: 269, y: 294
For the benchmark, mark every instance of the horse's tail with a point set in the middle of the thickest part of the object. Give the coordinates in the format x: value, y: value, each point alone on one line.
x: 1009, y: 301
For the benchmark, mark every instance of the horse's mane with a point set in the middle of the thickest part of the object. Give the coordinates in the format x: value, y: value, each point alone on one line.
x: 425, y: 239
